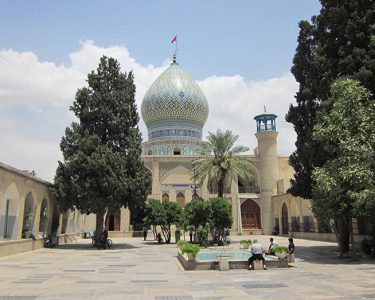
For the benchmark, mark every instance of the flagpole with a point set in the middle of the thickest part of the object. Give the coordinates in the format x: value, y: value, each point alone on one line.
x: 176, y: 47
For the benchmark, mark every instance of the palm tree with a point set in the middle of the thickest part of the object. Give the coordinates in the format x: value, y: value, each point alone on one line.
x: 225, y: 159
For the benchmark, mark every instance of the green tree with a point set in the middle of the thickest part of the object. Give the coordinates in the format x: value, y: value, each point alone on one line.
x: 173, y: 215
x: 344, y: 186
x: 163, y: 214
x: 221, y: 215
x: 338, y: 42
x: 225, y: 159
x: 197, y: 215
x: 197, y: 212
x: 154, y: 214
x: 102, y: 169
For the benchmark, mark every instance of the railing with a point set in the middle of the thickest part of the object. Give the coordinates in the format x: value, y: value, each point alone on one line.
x: 215, y: 190
x: 249, y: 189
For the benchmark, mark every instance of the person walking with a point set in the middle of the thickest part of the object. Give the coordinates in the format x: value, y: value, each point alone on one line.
x: 145, y: 231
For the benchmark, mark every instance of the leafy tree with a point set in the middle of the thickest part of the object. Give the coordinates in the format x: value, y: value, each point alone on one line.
x: 225, y: 159
x: 197, y: 215
x: 197, y: 212
x: 221, y: 215
x: 173, y: 215
x: 338, y: 42
x: 163, y: 214
x: 102, y: 169
x: 155, y: 214
x: 345, y: 185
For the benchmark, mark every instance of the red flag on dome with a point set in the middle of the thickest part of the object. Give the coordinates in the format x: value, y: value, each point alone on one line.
x: 174, y: 39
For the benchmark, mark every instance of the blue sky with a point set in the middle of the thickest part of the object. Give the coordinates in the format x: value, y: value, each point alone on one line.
x: 254, y: 38
x: 240, y: 53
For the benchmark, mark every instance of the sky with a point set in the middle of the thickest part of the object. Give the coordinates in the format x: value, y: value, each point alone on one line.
x: 239, y: 52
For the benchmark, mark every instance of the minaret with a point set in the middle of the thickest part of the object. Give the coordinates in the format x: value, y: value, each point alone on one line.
x: 268, y: 166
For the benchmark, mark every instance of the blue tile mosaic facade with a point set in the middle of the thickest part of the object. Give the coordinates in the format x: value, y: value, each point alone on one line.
x: 174, y: 110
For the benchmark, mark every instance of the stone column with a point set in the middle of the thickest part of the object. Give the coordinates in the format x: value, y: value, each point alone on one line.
x: 125, y: 219
x: 155, y: 180
x: 21, y: 208
x: 268, y: 173
x: 234, y: 202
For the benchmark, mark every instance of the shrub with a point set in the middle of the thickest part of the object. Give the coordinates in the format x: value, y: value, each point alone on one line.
x: 203, y: 235
x: 245, y: 242
x: 181, y: 243
x: 280, y: 249
x: 190, y: 248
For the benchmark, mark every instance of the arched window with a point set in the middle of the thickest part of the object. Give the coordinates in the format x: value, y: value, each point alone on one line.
x: 177, y: 151
x: 149, y: 152
x: 165, y: 197
x: 180, y: 198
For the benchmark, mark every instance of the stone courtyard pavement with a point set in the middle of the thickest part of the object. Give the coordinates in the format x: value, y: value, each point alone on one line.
x: 135, y: 269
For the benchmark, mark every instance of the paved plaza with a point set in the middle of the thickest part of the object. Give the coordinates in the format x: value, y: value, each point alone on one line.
x: 135, y: 269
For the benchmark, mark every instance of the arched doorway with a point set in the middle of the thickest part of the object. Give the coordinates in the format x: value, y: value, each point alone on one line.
x: 250, y: 214
x: 165, y: 197
x: 284, y: 219
x: 113, y: 221
x: 180, y: 198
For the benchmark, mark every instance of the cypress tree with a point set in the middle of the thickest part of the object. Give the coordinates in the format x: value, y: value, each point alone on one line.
x: 102, y: 170
x: 339, y: 42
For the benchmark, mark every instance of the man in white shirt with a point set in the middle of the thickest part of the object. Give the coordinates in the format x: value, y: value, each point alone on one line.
x: 257, y: 253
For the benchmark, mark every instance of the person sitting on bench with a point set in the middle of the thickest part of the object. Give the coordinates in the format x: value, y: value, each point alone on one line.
x: 257, y: 254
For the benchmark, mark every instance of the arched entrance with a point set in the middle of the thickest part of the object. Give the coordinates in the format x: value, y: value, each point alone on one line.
x: 180, y: 198
x: 284, y: 219
x: 250, y: 214
x: 113, y: 221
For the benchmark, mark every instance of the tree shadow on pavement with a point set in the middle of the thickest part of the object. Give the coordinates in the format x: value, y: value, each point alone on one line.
x: 328, y: 255
x: 89, y: 246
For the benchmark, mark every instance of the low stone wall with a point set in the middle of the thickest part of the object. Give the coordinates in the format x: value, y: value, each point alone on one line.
x: 214, y: 265
x: 326, y: 237
x: 9, y: 247
x: 18, y: 246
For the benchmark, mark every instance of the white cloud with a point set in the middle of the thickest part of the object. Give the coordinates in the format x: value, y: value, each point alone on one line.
x: 35, y: 97
x: 234, y: 104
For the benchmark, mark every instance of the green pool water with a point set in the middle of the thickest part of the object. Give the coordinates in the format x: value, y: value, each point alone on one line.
x: 229, y: 254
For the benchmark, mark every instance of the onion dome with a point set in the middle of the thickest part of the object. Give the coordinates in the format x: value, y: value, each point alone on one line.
x: 174, y: 106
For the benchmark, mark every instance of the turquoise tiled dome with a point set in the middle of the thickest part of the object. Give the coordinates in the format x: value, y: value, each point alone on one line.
x: 174, y: 106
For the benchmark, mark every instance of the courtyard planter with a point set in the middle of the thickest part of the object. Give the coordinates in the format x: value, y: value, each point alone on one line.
x: 190, y: 250
x: 281, y: 252
x: 245, y: 244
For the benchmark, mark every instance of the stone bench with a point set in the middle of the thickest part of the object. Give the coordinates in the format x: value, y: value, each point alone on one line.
x: 257, y: 264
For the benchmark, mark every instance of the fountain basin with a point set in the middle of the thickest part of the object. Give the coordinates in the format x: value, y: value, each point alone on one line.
x: 237, y: 258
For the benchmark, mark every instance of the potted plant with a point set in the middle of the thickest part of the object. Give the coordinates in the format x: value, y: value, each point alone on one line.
x: 181, y: 243
x: 191, y: 250
x: 280, y: 251
x: 245, y: 244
